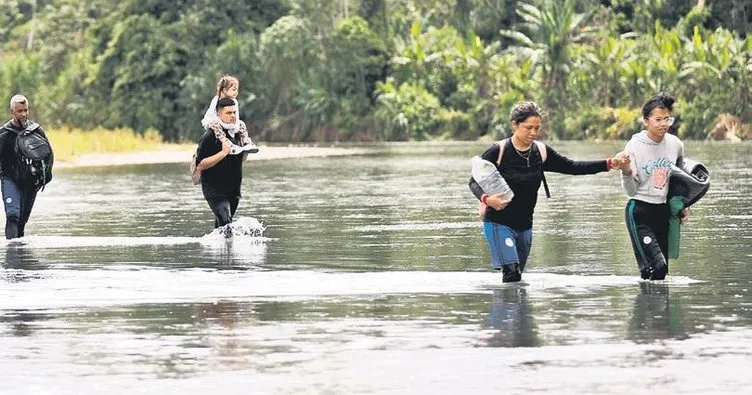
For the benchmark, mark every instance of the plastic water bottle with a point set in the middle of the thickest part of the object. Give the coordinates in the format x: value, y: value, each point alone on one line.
x: 489, y: 179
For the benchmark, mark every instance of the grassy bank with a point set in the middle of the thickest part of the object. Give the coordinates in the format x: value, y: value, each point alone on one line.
x: 69, y: 143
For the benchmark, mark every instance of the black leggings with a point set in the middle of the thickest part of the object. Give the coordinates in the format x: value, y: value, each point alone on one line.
x: 223, y: 209
x: 648, y: 229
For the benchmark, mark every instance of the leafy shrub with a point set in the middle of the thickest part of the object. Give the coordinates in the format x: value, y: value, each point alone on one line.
x: 455, y: 125
x: 603, y: 123
x: 408, y: 112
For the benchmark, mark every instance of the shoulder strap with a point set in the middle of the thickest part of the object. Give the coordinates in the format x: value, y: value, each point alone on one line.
x: 542, y: 149
x: 32, y: 126
x: 502, y: 144
x: 10, y: 128
x: 543, y: 152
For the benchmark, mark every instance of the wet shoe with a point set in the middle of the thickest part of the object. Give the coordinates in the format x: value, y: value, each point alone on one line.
x: 659, y: 273
x: 511, y: 273
x: 651, y: 273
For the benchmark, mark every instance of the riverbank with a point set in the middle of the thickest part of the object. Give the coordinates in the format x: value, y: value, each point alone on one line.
x: 181, y: 153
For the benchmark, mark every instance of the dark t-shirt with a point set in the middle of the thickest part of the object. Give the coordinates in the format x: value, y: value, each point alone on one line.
x: 223, y: 179
x: 524, y: 176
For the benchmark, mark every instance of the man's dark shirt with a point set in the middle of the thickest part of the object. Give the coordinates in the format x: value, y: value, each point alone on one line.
x: 223, y: 179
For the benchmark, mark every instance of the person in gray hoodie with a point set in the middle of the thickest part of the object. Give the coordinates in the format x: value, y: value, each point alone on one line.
x: 645, y: 175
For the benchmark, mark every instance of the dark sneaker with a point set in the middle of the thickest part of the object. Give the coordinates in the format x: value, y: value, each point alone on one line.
x: 645, y: 273
x: 511, y: 273
x: 659, y: 273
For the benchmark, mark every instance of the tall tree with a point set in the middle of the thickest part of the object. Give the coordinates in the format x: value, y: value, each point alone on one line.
x: 547, y: 32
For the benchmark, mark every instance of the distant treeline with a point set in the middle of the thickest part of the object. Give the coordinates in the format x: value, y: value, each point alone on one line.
x: 325, y: 70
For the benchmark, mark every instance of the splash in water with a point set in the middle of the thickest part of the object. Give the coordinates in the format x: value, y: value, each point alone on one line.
x: 244, y: 227
x: 241, y: 241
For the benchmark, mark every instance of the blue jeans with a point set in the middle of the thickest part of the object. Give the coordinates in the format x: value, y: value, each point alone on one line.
x: 506, y: 245
x: 18, y: 203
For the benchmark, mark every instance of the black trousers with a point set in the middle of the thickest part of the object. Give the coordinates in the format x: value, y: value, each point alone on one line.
x: 223, y: 209
x: 18, y: 202
x: 648, y: 229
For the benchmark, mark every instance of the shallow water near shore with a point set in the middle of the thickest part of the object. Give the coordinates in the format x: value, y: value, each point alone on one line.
x: 369, y: 274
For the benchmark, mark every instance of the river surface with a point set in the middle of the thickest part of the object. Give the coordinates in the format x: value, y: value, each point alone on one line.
x: 370, y: 274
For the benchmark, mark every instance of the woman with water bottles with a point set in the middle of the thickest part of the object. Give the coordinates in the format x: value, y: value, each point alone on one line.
x: 521, y: 161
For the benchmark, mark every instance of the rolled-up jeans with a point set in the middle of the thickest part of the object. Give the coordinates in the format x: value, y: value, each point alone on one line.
x: 18, y: 203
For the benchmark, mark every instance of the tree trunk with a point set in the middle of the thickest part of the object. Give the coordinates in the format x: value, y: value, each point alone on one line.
x: 30, y: 39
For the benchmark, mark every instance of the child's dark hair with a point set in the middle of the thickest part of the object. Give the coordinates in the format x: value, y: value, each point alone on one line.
x: 225, y: 82
x: 524, y: 110
x: 662, y: 100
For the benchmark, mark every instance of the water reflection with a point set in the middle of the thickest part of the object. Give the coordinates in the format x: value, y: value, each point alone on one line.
x: 512, y: 317
x: 223, y: 321
x: 226, y: 313
x: 20, y: 264
x: 655, y: 315
x: 22, y: 323
x: 238, y: 250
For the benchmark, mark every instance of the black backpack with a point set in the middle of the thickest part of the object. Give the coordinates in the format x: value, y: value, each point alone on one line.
x: 34, y: 159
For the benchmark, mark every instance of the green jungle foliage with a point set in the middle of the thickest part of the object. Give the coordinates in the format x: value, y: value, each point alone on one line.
x: 345, y: 70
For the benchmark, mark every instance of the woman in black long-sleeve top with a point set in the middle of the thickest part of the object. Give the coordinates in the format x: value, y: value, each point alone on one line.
x: 521, y: 160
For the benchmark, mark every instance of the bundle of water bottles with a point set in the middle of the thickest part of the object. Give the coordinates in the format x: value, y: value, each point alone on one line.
x: 488, y: 177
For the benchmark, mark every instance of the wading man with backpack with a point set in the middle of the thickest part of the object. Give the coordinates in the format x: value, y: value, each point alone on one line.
x: 26, y: 160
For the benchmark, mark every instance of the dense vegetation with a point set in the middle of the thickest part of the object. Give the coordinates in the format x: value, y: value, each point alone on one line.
x: 323, y: 70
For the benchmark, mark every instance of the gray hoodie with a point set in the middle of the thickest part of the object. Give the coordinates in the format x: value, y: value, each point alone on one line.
x: 651, y: 166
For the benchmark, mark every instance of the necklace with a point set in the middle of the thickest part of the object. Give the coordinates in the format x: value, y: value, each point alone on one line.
x: 524, y: 154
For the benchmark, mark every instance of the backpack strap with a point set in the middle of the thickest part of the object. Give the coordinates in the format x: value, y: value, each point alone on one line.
x: 541, y: 148
x: 32, y: 126
x: 543, y: 151
x: 502, y: 144
x: 8, y: 127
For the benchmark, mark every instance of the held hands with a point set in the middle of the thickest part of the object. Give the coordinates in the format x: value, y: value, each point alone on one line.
x: 623, y: 162
x: 496, y: 202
